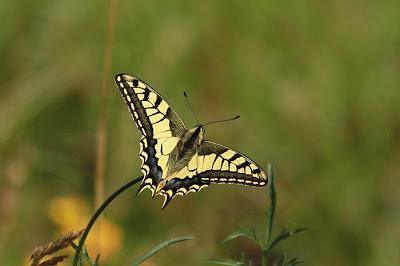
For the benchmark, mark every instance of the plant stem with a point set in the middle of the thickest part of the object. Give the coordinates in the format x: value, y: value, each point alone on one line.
x: 270, y: 216
x: 97, y: 214
x: 102, y: 122
x: 84, y: 254
x: 271, y: 210
x: 263, y: 260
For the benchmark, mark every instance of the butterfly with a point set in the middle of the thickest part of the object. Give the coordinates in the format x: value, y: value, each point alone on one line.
x: 177, y: 160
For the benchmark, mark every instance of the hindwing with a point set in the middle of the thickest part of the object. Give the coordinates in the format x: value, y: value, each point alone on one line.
x: 214, y: 163
x: 221, y: 164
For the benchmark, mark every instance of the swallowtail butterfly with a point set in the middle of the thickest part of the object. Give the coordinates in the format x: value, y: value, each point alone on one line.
x: 177, y: 160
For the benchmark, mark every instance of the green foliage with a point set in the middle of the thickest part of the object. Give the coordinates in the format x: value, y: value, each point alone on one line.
x: 84, y: 256
x: 242, y: 232
x: 232, y: 262
x: 285, y: 234
x: 160, y: 247
x: 227, y: 262
x: 266, y: 245
x: 282, y: 261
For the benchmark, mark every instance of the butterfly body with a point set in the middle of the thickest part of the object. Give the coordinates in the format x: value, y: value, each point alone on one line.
x: 177, y: 160
x: 185, y: 149
x: 182, y: 154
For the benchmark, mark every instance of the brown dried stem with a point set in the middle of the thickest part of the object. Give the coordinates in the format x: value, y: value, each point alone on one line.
x: 54, y: 246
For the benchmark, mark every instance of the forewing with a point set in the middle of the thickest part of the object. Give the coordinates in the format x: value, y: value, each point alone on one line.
x: 152, y: 114
x: 159, y: 124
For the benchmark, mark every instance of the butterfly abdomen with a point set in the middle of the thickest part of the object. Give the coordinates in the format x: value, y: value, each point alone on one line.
x: 185, y: 149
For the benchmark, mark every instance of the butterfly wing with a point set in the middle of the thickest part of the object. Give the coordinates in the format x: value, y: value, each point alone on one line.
x: 220, y: 164
x: 160, y: 125
x: 214, y: 163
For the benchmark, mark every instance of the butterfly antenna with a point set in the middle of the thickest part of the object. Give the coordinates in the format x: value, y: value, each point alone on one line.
x: 190, y: 107
x: 224, y: 120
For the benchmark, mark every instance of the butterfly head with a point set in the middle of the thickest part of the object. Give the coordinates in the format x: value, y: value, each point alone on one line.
x: 201, y: 134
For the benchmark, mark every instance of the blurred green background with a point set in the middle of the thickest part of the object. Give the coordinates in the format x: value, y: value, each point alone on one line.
x: 316, y: 84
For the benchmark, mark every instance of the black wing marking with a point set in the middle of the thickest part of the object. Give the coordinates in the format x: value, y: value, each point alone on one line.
x: 159, y: 124
x: 179, y: 186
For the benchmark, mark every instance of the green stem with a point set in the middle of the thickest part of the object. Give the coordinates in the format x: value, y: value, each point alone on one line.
x: 263, y: 260
x: 271, y: 210
x: 270, y: 216
x: 97, y: 214
x: 84, y: 254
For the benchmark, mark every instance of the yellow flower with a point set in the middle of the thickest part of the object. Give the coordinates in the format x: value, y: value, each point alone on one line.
x: 68, y: 211
x: 72, y: 212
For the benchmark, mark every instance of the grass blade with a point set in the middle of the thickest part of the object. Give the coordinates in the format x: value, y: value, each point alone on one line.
x: 160, y: 247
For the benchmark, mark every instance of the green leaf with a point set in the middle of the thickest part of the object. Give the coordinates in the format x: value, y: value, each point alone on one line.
x: 242, y: 232
x: 285, y: 234
x: 294, y: 261
x: 160, y: 247
x: 228, y: 262
x: 84, y: 255
x: 281, y: 260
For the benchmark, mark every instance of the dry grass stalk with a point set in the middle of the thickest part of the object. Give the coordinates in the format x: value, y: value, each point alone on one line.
x: 52, y: 247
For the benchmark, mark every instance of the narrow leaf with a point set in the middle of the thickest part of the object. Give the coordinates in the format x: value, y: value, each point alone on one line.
x: 242, y: 232
x: 294, y: 261
x: 160, y: 247
x: 281, y: 260
x: 285, y: 234
x: 228, y: 262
